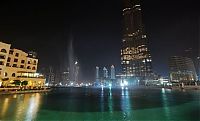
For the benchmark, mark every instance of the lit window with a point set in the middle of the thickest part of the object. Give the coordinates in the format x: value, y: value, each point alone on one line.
x: 144, y: 36
x: 3, y: 50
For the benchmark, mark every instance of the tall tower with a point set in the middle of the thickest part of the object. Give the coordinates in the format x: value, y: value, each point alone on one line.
x: 112, y: 72
x: 105, y: 73
x: 97, y: 72
x: 135, y: 55
x: 97, y: 82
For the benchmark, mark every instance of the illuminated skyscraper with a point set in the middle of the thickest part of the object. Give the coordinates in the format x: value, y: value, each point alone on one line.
x: 97, y: 82
x: 105, y: 73
x: 198, y: 67
x: 97, y: 72
x: 112, y: 72
x: 135, y: 55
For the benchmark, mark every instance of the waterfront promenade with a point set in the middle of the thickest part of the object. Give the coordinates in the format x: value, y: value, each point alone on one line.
x: 17, y: 90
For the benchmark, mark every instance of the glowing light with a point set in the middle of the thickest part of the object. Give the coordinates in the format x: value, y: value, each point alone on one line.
x: 125, y: 83
x: 46, y: 84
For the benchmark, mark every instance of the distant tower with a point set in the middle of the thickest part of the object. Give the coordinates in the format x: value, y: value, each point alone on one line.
x: 198, y: 67
x: 112, y: 72
x: 105, y: 73
x: 97, y: 82
x: 51, y: 77
x: 97, y: 72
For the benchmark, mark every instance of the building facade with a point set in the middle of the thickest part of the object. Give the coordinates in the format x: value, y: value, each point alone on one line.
x: 135, y: 54
x: 16, y: 64
x: 181, y: 69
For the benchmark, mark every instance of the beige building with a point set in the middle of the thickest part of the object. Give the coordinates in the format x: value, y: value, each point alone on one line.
x: 16, y: 64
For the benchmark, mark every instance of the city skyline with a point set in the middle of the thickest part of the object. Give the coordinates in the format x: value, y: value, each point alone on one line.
x: 97, y: 31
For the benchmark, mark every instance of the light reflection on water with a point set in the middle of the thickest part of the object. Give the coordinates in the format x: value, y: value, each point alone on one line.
x: 110, y: 101
x: 165, y: 103
x: 125, y: 103
x: 120, y: 104
x: 5, y: 106
x: 34, y: 104
x: 25, y: 106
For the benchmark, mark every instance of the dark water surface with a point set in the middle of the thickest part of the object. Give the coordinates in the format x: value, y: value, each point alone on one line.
x: 108, y: 104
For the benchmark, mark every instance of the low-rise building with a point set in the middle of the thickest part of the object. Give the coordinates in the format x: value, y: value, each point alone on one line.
x: 182, y: 69
x: 16, y: 64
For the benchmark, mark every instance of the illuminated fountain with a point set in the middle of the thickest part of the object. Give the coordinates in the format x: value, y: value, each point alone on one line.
x: 73, y: 65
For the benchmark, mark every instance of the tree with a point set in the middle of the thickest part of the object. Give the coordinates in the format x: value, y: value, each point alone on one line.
x: 24, y: 83
x: 17, y: 82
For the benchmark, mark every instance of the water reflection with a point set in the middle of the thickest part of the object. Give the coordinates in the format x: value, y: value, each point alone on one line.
x: 125, y: 103
x: 110, y: 101
x: 20, y: 107
x: 34, y: 104
x: 165, y: 103
x: 5, y: 106
x: 102, y: 100
x: 95, y: 104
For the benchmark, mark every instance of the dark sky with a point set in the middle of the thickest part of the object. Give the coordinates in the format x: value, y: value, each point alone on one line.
x: 43, y: 26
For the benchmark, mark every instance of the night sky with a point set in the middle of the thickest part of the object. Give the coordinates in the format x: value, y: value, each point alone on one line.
x: 172, y: 26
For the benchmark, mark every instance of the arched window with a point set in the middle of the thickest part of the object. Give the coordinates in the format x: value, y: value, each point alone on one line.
x: 1, y: 63
x: 33, y: 68
x: 34, y: 62
x: 3, y: 50
x: 2, y: 56
x: 13, y: 74
x: 28, y: 67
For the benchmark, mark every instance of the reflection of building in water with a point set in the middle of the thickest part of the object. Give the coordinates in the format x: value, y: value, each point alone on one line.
x: 4, y: 107
x: 16, y: 64
x: 125, y: 103
x: 22, y: 107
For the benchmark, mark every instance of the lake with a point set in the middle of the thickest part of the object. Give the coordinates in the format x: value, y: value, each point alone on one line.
x: 78, y: 104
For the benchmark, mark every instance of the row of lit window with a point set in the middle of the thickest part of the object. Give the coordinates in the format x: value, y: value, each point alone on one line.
x: 21, y: 66
x: 16, y: 60
x: 10, y: 52
x: 134, y: 57
x: 15, y: 65
x: 133, y: 50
